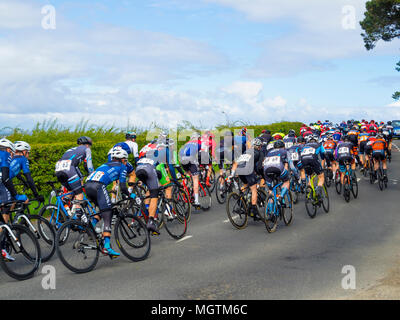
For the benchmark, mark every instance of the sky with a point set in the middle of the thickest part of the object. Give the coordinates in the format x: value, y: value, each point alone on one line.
x: 133, y: 63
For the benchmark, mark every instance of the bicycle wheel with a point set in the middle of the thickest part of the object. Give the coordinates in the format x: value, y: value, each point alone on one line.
x: 50, y: 212
x: 309, y: 202
x: 354, y: 187
x: 181, y: 203
x: 204, y: 197
x: 220, y: 190
x: 237, y: 211
x: 325, y: 199
x: 287, y: 208
x: 80, y: 251
x: 327, y: 177
x: 25, y: 249
x: 380, y: 179
x: 338, y: 185
x: 132, y: 237
x: 294, y: 188
x: 212, y: 180
x: 44, y: 233
x: 346, y: 188
x: 175, y: 222
x: 271, y: 218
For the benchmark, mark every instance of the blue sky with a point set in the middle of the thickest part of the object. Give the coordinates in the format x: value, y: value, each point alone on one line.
x: 171, y: 60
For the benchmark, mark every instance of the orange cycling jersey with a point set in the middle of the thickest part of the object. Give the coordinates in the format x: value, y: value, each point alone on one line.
x: 363, y: 137
x: 379, y: 145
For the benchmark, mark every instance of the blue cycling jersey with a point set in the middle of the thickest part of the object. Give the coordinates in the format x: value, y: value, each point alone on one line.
x: 19, y: 163
x: 5, y: 159
x: 109, y: 172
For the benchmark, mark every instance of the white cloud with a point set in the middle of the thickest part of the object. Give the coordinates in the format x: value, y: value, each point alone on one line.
x: 394, y: 104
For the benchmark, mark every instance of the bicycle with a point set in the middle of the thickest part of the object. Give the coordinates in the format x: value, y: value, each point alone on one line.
x: 349, y: 182
x: 238, y: 206
x: 205, y: 199
x: 175, y: 221
x: 313, y: 201
x: 295, y: 188
x: 22, y: 245
x: 80, y: 250
x: 382, y: 180
x: 204, y: 173
x: 224, y: 186
x: 276, y: 207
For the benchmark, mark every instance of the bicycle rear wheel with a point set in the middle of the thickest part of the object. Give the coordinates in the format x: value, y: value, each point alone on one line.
x: 354, y: 188
x: 309, y: 202
x: 181, y: 202
x: 80, y: 250
x: 287, y: 208
x: 132, y: 237
x: 204, y: 197
x: 338, y: 185
x: 221, y: 190
x: 380, y: 179
x: 236, y: 210
x: 271, y: 219
x: 346, y: 188
x: 44, y: 233
x: 325, y: 199
x: 25, y: 249
x: 50, y: 212
x: 175, y: 222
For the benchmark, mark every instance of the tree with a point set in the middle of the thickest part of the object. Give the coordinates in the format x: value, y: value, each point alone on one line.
x: 381, y: 22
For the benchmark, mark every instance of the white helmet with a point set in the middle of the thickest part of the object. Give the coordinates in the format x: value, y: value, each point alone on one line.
x: 119, y: 153
x: 5, y: 143
x: 195, y: 136
x: 22, y: 146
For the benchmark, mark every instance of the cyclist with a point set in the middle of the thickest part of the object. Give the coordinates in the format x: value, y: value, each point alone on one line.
x: 344, y: 153
x: 276, y: 164
x: 293, y: 154
x: 241, y: 142
x: 362, y: 142
x: 207, y: 153
x: 68, y: 173
x: 224, y: 153
x: 20, y: 162
x: 248, y: 166
x: 189, y: 158
x: 147, y: 172
x: 329, y: 155
x: 379, y: 149
x: 131, y: 147
x: 7, y: 189
x: 290, y: 139
x: 353, y: 137
x: 96, y: 191
x: 387, y: 132
x: 310, y: 162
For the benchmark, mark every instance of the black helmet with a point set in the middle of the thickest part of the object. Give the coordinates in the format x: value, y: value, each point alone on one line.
x: 84, y: 140
x: 130, y: 135
x: 301, y: 139
x: 389, y: 123
x: 279, y: 144
x: 292, y: 133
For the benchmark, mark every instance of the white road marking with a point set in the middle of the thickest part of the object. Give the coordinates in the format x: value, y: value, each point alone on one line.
x: 184, y: 238
x: 226, y: 221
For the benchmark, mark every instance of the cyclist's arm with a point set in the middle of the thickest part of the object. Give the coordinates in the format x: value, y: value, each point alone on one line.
x: 88, y: 161
x: 5, y: 179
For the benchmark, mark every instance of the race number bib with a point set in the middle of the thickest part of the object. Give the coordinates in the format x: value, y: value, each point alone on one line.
x: 272, y: 161
x: 146, y: 161
x: 63, y: 165
x: 288, y: 145
x: 294, y: 156
x: 96, y: 176
x: 244, y: 158
x: 308, y: 151
x: 343, y: 150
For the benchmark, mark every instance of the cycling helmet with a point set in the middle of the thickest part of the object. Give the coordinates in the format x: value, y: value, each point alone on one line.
x: 379, y: 135
x: 257, y: 142
x: 119, y: 153
x: 84, y: 140
x: 163, y: 135
x: 170, y: 142
x: 389, y: 123
x: 130, y: 135
x: 346, y: 138
x: 292, y: 133
x: 243, y: 132
x: 372, y: 133
x: 195, y: 136
x: 22, y: 146
x: 312, y: 138
x: 5, y: 143
x: 301, y: 139
x: 279, y: 144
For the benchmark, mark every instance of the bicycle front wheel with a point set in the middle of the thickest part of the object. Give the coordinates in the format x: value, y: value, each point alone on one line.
x: 24, y: 249
x: 354, y: 188
x: 132, y: 237
x: 204, y: 197
x: 271, y: 218
x: 237, y: 211
x: 181, y: 203
x: 325, y: 199
x: 220, y: 190
x: 80, y: 252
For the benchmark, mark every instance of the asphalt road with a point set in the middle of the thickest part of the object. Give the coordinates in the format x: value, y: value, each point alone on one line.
x: 216, y: 261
